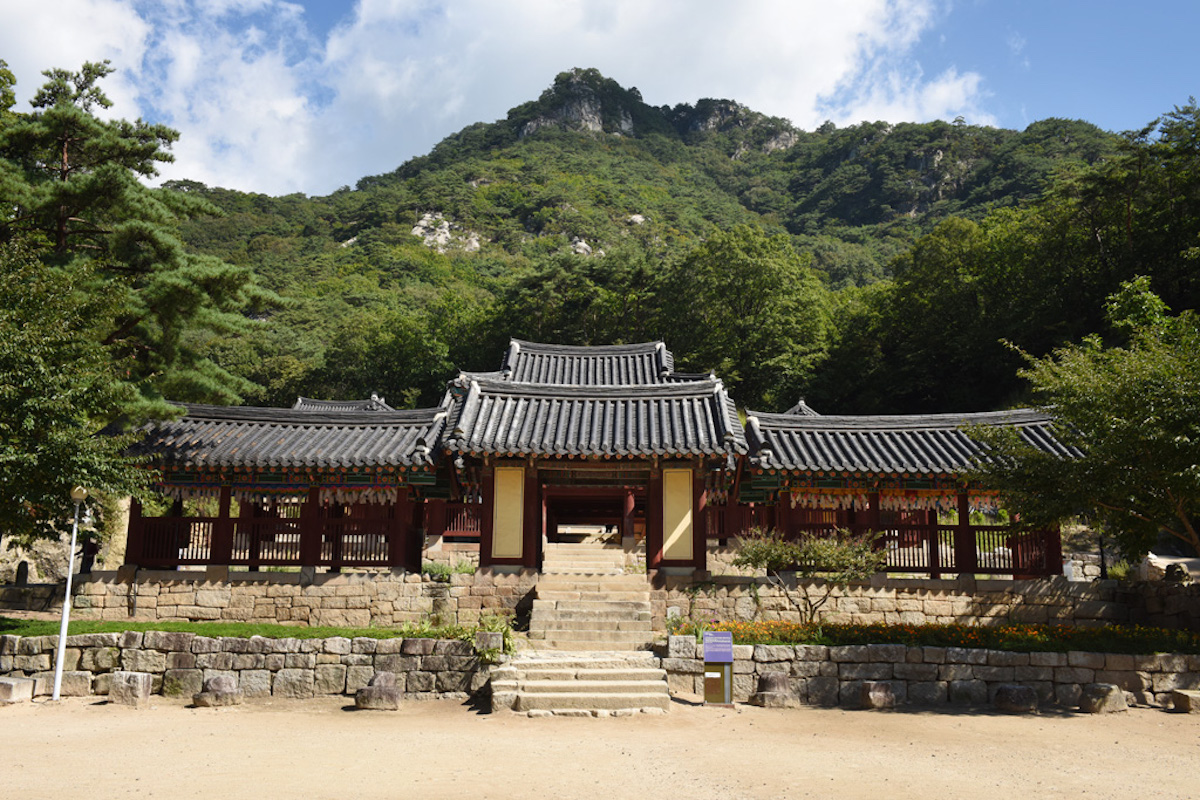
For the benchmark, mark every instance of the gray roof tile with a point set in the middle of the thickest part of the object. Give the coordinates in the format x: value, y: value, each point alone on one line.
x: 676, y: 419
x: 910, y: 444
x: 266, y: 438
x: 570, y: 365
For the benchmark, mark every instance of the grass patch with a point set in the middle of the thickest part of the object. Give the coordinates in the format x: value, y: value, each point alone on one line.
x: 243, y: 630
x: 1132, y: 639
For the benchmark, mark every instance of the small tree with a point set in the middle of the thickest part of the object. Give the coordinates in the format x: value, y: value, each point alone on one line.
x: 839, y: 560
x: 1132, y: 413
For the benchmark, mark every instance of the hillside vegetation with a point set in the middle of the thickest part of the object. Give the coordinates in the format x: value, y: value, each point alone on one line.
x: 875, y: 268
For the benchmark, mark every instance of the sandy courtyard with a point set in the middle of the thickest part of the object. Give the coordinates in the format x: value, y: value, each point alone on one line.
x: 319, y: 749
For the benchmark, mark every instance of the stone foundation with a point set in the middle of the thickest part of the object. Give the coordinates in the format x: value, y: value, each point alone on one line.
x: 932, y: 676
x: 180, y: 663
x: 924, y: 601
x: 386, y: 599
x: 355, y: 600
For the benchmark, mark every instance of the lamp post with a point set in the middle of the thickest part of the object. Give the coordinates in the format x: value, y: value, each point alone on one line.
x: 78, y: 495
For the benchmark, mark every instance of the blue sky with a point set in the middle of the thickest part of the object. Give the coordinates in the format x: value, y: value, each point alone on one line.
x: 276, y: 96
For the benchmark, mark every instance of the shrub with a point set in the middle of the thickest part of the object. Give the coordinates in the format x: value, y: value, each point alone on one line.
x: 839, y: 560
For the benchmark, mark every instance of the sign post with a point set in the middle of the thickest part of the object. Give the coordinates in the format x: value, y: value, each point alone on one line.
x: 718, y: 668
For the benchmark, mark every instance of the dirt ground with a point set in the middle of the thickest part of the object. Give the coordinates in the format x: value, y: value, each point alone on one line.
x: 324, y: 749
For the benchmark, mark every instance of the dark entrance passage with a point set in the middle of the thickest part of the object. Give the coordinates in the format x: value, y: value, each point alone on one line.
x: 575, y: 513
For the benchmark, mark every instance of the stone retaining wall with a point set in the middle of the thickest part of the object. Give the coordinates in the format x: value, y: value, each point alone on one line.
x: 353, y: 599
x: 833, y: 676
x: 385, y: 599
x: 924, y: 601
x: 262, y: 667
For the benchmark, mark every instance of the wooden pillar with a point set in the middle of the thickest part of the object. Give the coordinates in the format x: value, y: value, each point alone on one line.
x: 699, y: 522
x: 935, y: 544
x: 221, y: 546
x: 487, y: 491
x: 398, y: 532
x: 531, y: 548
x: 135, y: 535
x: 964, y: 538
x: 627, y: 512
x: 435, y: 517
x: 654, y: 522
x: 785, y: 521
x: 311, y: 528
x: 1053, y: 550
x: 874, y: 515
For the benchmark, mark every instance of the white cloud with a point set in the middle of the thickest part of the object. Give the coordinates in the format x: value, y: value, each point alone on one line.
x: 264, y: 105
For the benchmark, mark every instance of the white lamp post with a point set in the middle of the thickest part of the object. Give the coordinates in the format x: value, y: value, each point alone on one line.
x: 78, y: 495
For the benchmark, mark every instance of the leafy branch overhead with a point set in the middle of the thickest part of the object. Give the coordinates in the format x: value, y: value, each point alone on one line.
x: 72, y: 189
x: 1133, y: 410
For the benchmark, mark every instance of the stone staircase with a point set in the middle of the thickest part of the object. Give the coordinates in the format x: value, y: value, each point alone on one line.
x: 589, y: 637
x: 585, y: 602
x: 542, y: 684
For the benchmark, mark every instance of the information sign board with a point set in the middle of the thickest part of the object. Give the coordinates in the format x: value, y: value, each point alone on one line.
x: 718, y: 647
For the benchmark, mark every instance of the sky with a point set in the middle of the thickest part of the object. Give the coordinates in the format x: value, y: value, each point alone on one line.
x: 279, y: 97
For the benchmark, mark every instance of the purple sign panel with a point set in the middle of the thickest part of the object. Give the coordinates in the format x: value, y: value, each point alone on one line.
x: 718, y: 647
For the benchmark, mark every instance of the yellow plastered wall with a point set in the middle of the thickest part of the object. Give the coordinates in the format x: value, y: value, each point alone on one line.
x: 508, y: 512
x: 677, y: 514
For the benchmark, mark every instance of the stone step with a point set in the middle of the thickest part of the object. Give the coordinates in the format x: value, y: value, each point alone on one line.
x: 590, y: 623
x: 606, y: 616
x: 590, y: 687
x: 601, y: 659
x: 591, y: 635
x: 558, y: 645
x: 552, y: 594
x: 553, y: 701
x: 559, y: 674
x: 583, y: 571
x: 590, y: 605
x: 615, y: 583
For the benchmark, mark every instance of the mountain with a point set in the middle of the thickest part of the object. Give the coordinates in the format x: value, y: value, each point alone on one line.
x: 589, y: 159
x: 576, y: 217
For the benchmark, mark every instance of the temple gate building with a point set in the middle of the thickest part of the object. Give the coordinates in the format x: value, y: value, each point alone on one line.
x: 559, y: 437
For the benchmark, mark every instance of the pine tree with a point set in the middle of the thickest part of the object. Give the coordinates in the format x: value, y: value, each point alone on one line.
x: 71, y: 185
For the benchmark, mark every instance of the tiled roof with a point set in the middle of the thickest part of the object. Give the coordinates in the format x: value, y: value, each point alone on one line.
x: 568, y: 365
x: 373, y: 403
x: 675, y: 419
x: 225, y: 436
x: 926, y: 444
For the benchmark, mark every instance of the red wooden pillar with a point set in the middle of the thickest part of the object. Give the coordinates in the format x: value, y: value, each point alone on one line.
x: 135, y: 536
x: 627, y: 510
x: 221, y: 547
x: 965, y: 551
x: 1053, y: 550
x: 654, y: 520
x: 398, y: 532
x: 311, y: 528
x: 435, y: 517
x: 934, y: 537
x: 874, y: 514
x: 487, y: 491
x: 699, y: 522
x: 785, y: 522
x: 531, y: 549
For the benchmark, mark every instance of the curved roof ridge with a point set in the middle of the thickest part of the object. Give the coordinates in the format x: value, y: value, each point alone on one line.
x: 945, y: 421
x: 295, y: 416
x: 586, y: 349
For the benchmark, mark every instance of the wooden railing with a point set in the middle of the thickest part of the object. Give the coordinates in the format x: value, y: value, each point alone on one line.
x: 933, y: 550
x: 358, y: 537
x: 462, y: 522
x: 171, y: 541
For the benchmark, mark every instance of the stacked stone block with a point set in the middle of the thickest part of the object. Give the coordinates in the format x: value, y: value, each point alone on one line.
x: 835, y: 676
x: 181, y: 663
x: 924, y: 601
